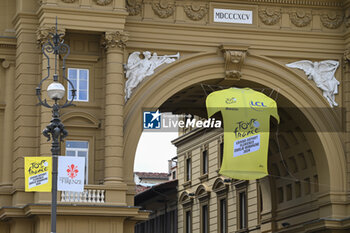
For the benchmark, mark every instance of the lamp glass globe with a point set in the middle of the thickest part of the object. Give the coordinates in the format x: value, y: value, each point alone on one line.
x: 56, y: 91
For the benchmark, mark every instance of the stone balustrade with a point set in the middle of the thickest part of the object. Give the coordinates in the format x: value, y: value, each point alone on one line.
x: 87, y: 196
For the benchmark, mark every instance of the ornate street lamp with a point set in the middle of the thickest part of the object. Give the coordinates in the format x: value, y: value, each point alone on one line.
x: 56, y: 92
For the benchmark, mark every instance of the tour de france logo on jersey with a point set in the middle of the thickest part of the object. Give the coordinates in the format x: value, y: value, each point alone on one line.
x: 231, y: 100
x: 257, y: 105
x: 247, y: 128
x: 152, y: 120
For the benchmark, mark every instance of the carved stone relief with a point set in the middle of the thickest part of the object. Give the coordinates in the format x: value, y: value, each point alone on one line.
x: 44, y: 33
x: 347, y: 18
x: 163, y: 9
x: 137, y: 69
x: 68, y: 1
x: 332, y: 19
x: 300, y: 17
x: 196, y: 11
x: 103, y: 2
x: 115, y: 39
x: 323, y: 75
x: 134, y: 7
x: 234, y: 57
x: 270, y: 15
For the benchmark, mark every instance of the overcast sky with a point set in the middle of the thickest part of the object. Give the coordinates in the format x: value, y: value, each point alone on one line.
x: 154, y: 150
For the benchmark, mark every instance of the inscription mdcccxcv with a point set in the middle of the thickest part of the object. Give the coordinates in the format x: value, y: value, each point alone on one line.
x: 233, y: 16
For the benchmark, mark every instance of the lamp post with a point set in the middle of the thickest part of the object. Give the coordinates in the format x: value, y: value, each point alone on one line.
x: 56, y: 92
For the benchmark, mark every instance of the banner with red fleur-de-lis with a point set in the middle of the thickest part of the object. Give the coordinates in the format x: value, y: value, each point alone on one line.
x: 71, y: 172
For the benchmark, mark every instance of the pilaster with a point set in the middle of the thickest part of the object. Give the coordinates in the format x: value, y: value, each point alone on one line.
x: 6, y: 160
x: 26, y: 115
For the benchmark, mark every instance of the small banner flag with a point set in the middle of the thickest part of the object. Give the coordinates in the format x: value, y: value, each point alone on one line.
x: 37, y: 174
x: 71, y: 174
x: 246, y: 115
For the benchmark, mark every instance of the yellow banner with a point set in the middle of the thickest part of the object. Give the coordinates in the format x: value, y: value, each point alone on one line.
x: 38, y: 174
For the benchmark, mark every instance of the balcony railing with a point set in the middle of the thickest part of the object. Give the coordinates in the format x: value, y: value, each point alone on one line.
x: 88, y: 196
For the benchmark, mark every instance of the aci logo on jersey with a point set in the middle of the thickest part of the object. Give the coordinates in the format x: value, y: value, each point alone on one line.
x: 152, y: 120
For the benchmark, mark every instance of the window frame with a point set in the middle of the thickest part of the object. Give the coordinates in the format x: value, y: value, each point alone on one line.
x: 223, y: 223
x: 220, y: 152
x: 242, y: 188
x: 76, y: 99
x: 188, y: 224
x: 188, y: 168
x: 204, y: 220
x: 204, y: 161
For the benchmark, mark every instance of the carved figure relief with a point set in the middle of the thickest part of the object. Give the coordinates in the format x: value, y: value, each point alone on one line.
x: 68, y: 1
x: 196, y: 11
x: 134, y: 7
x: 323, y: 75
x: 163, y: 9
x: 103, y: 2
x: 137, y: 69
x: 332, y: 19
x: 300, y: 17
x: 270, y: 16
x: 234, y: 58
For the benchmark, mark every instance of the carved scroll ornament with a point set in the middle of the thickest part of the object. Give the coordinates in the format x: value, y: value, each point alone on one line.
x: 300, y: 18
x: 103, y: 2
x: 134, y: 7
x: 195, y: 11
x: 234, y: 58
x: 163, y: 9
x: 270, y: 16
x: 332, y: 19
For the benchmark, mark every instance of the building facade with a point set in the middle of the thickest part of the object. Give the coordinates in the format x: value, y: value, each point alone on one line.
x: 215, y: 49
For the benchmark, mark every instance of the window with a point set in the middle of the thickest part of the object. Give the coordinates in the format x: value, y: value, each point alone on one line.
x: 174, y: 175
x: 188, y: 169
x: 188, y: 221
x: 221, y: 151
x: 79, y: 149
x: 243, y: 217
x: 80, y: 80
x: 223, y: 215
x: 205, y: 219
x: 205, y: 162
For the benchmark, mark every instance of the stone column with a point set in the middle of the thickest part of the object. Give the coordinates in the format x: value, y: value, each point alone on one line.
x: 6, y: 162
x: 114, y: 43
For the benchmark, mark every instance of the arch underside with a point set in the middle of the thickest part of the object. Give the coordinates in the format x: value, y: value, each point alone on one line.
x: 310, y: 140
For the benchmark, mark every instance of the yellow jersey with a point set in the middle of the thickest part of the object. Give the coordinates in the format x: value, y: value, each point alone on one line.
x: 246, y: 118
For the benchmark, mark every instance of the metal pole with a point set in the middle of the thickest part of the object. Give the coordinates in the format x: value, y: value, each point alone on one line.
x: 57, y: 131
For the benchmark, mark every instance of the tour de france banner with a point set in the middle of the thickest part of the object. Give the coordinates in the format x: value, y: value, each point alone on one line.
x: 246, y: 116
x: 37, y: 174
x: 71, y: 173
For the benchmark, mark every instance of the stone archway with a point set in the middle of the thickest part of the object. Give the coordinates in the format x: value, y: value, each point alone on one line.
x: 296, y: 90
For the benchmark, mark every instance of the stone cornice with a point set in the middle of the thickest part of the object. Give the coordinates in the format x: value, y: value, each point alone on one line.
x: 324, y: 3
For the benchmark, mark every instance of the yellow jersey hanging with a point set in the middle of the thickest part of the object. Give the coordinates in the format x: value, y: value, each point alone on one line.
x: 246, y: 116
x: 38, y: 174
